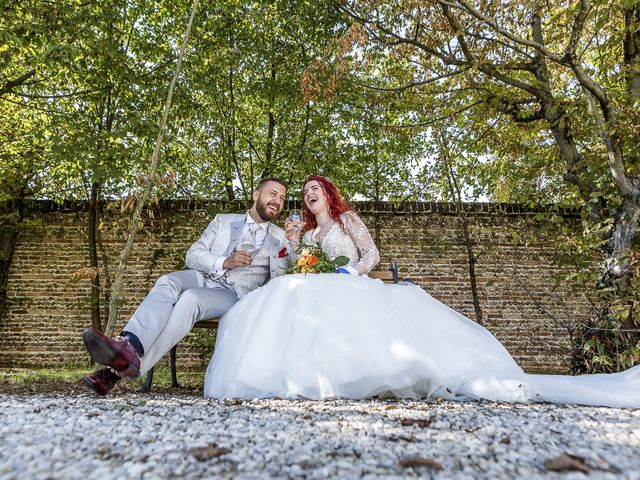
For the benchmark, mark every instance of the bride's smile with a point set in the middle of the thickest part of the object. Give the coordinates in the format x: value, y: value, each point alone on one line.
x: 314, y: 197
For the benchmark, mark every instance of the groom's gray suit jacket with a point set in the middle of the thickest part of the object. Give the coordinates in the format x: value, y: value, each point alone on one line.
x: 220, y: 239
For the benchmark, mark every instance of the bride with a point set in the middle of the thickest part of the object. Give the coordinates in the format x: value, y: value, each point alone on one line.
x: 334, y: 335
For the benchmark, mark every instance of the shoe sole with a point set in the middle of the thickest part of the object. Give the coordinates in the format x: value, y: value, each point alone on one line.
x: 103, y: 353
x: 92, y: 387
x: 99, y: 351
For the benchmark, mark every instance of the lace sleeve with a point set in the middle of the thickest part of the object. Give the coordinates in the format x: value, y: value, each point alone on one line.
x: 357, y: 230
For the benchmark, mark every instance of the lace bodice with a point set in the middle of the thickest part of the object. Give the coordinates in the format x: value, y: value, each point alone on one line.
x: 354, y: 242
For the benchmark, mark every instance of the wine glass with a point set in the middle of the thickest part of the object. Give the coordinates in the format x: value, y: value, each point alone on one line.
x: 296, y: 218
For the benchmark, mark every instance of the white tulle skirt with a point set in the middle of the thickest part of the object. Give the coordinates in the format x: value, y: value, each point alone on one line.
x: 330, y: 335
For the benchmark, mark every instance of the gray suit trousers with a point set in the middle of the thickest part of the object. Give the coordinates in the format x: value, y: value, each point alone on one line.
x: 174, y: 304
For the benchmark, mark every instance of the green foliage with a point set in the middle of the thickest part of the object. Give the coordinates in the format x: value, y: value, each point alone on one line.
x: 203, y: 340
x: 611, y: 341
x: 241, y: 112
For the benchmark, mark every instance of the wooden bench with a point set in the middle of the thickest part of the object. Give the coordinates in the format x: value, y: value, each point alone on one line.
x: 387, y: 276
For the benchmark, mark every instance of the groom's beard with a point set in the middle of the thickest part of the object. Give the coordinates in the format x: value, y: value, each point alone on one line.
x: 266, y: 215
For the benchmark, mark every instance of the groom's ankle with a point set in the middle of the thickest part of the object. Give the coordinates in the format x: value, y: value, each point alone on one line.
x: 135, y: 342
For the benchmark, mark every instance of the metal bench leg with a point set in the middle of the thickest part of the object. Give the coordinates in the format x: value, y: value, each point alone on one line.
x: 146, y: 388
x: 393, y: 266
x: 174, y: 375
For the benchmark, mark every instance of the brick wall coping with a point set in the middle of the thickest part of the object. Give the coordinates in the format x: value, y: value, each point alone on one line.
x: 446, y: 208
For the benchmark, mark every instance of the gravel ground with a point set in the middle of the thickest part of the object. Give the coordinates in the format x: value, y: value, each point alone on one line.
x: 164, y: 435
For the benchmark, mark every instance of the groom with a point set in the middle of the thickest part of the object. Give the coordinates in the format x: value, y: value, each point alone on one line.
x: 217, y: 275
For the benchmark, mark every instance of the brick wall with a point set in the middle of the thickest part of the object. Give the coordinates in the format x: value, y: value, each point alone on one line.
x: 47, y: 310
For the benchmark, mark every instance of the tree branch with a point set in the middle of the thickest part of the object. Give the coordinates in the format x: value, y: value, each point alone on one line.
x: 463, y: 5
x: 363, y: 21
x: 484, y: 67
x: 615, y: 155
x: 70, y: 94
x: 500, y: 42
x: 410, y: 85
x: 431, y: 122
x: 7, y: 87
x: 576, y: 28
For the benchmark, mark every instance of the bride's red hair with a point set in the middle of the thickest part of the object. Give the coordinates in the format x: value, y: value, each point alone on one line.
x: 336, y: 204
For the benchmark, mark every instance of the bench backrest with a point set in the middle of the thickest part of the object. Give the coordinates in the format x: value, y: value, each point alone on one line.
x: 385, y: 275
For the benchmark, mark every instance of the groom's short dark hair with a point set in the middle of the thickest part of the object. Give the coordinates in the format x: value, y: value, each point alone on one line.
x: 263, y: 181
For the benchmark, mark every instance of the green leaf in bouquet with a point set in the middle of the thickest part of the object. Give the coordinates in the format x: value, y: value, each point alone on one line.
x: 341, y: 261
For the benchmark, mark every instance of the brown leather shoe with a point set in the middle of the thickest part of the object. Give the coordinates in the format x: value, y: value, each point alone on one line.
x: 117, y: 353
x: 101, y: 381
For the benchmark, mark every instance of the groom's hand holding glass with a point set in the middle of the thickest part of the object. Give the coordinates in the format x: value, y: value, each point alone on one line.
x: 239, y: 258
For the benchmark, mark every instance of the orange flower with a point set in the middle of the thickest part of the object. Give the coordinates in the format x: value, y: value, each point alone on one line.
x: 313, y: 261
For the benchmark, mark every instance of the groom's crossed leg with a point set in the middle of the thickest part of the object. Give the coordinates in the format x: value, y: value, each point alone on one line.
x: 194, y: 304
x: 176, y: 302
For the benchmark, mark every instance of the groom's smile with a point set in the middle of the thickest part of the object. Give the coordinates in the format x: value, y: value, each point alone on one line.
x: 269, y: 201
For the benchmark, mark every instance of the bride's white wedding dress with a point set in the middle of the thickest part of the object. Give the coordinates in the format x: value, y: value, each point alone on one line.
x: 350, y: 336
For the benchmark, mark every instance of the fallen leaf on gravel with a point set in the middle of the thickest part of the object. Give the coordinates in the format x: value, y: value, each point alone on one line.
x: 417, y: 461
x: 567, y: 463
x: 207, y: 453
x: 401, y: 438
x: 390, y: 407
x: 471, y: 430
x: 307, y: 417
x: 505, y: 440
x: 421, y: 422
x: 92, y: 414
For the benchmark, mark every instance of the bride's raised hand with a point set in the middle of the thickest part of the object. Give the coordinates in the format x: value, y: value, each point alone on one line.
x: 292, y: 230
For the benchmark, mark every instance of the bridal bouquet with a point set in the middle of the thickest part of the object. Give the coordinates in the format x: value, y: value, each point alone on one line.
x: 313, y: 260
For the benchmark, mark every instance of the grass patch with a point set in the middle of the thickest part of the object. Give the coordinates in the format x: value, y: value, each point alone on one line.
x: 68, y: 379
x: 67, y: 374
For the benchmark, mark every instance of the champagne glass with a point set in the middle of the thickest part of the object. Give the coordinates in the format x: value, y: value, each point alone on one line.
x: 296, y: 218
x: 246, y: 244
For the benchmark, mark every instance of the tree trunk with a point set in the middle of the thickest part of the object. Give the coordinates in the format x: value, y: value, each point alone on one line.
x: 116, y: 294
x: 632, y: 47
x: 105, y: 269
x: 456, y: 193
x: 11, y: 216
x: 618, y: 273
x: 92, y: 229
x: 271, y: 126
x: 472, y: 259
